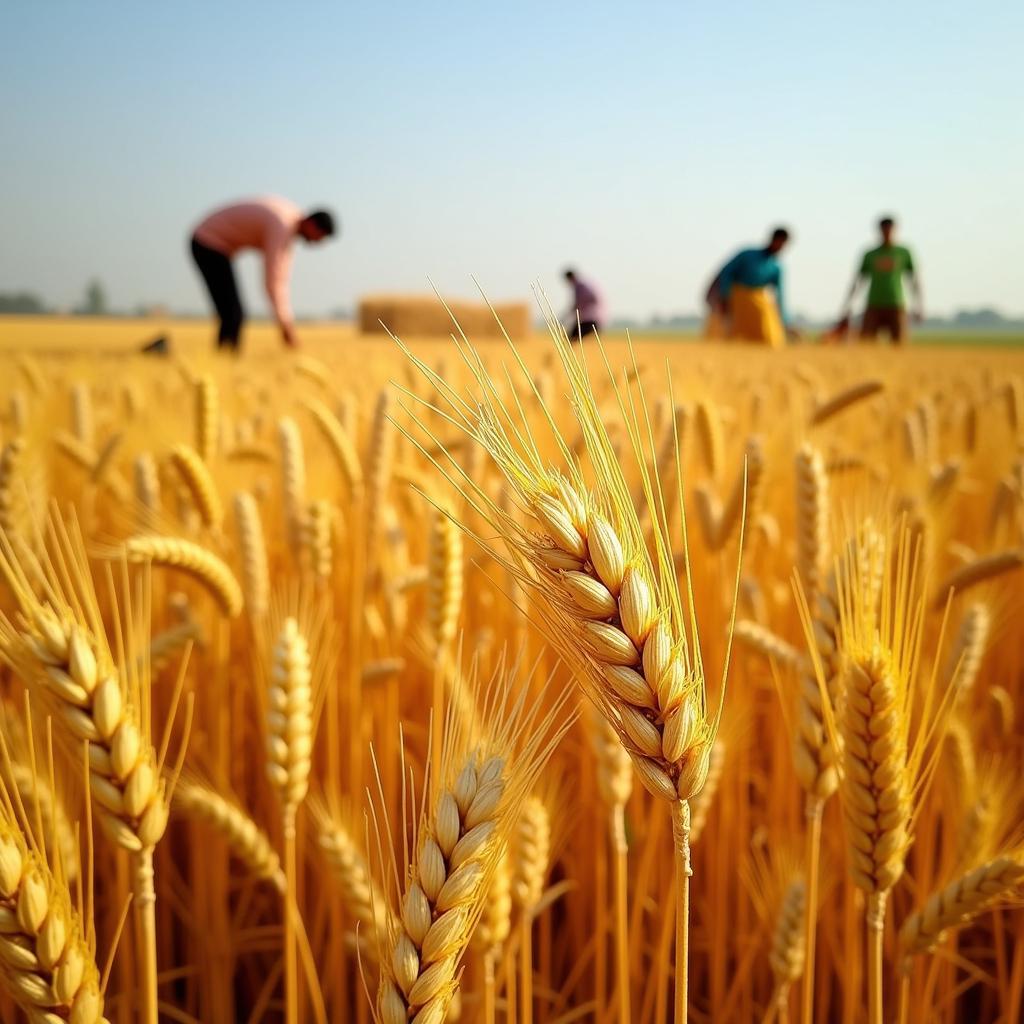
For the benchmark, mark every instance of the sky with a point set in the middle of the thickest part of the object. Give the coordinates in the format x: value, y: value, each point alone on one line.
x: 641, y: 143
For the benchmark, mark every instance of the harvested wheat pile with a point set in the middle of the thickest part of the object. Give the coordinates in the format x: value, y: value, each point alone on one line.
x: 424, y: 316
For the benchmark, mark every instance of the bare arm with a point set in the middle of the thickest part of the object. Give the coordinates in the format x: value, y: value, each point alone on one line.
x: 852, y: 294
x: 915, y: 287
x: 277, y: 263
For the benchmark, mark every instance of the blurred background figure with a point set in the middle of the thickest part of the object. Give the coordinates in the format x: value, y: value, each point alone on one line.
x: 586, y: 316
x: 741, y: 295
x: 269, y: 224
x: 884, y: 268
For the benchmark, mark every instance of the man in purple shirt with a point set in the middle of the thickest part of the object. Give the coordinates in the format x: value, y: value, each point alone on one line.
x: 587, y: 313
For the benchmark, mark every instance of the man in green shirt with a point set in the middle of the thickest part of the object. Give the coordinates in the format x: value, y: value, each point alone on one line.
x: 883, y: 268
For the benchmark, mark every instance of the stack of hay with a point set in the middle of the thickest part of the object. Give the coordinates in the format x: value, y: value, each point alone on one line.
x: 423, y: 315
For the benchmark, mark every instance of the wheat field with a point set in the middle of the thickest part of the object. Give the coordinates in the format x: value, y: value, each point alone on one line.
x: 424, y: 681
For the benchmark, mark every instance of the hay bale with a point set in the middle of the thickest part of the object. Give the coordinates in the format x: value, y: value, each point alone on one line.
x: 424, y: 315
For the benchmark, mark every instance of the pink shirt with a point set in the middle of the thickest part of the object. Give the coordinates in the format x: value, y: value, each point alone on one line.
x: 269, y: 224
x: 587, y: 301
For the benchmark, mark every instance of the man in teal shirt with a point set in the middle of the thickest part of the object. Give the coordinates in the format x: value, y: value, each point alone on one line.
x: 884, y: 268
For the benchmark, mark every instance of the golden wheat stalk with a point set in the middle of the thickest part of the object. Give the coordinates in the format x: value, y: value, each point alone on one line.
x: 479, y: 778
x: 47, y: 949
x: 882, y: 761
x: 59, y: 647
x: 613, y: 611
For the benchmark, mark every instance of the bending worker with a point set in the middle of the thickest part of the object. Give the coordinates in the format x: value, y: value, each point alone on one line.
x: 587, y: 313
x: 741, y: 293
x: 271, y: 225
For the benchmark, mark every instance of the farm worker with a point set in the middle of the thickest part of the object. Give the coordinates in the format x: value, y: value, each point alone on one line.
x: 884, y: 268
x: 741, y: 292
x: 587, y: 313
x: 269, y: 224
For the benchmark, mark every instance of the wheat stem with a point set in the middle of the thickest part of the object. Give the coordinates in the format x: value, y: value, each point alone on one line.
x: 815, y: 807
x: 683, y: 871
x: 144, y: 901
x: 489, y: 999
x: 904, y: 1013
x: 875, y: 915
x: 620, y: 924
x: 526, y: 967
x: 291, y: 966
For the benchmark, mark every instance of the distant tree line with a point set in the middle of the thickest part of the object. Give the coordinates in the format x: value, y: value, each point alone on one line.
x: 984, y: 319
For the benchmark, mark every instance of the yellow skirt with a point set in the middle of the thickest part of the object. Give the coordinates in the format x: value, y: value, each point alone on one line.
x: 754, y: 316
x: 714, y: 325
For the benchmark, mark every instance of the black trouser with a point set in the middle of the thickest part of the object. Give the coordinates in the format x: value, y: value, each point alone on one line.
x: 581, y: 330
x: 220, y: 282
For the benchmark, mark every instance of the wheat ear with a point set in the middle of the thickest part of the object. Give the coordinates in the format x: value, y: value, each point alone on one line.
x: 969, y: 649
x: 198, y: 480
x: 247, y: 841
x: 11, y: 503
x: 479, y: 780
x: 318, y: 539
x: 362, y: 897
x: 194, y: 560
x: 82, y: 418
x: 958, y: 903
x: 340, y: 443
x: 293, y: 481
x: 812, y: 517
x: 48, y: 954
x: 253, y: 550
x: 289, y: 703
x: 762, y: 640
x: 62, y: 652
x: 147, y: 490
x: 444, y: 580
x: 979, y: 571
x: 844, y: 399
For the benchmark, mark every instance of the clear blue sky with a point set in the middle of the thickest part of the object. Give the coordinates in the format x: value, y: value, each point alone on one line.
x: 641, y: 142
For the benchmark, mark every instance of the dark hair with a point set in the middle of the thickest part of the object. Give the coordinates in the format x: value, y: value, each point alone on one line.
x: 568, y: 273
x: 323, y: 220
x: 887, y: 222
x: 780, y: 235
